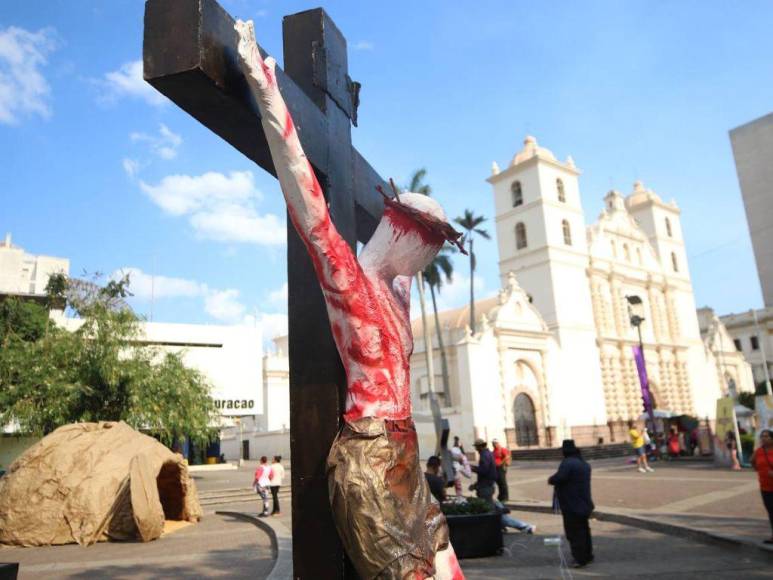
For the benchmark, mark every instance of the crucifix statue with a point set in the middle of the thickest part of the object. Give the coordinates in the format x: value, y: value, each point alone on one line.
x: 353, y: 439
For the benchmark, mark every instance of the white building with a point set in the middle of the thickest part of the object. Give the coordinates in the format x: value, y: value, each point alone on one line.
x: 230, y: 357
x: 752, y: 333
x: 753, y: 153
x: 26, y: 274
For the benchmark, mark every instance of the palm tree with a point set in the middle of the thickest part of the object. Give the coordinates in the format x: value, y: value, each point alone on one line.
x: 470, y: 222
x: 440, y: 268
x: 417, y: 184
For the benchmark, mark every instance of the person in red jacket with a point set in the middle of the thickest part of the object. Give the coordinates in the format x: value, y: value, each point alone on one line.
x: 502, y: 462
x: 762, y: 460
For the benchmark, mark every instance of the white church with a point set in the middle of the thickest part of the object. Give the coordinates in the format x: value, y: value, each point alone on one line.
x: 552, y: 355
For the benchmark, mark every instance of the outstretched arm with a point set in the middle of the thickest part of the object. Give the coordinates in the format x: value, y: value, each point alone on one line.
x: 307, y: 207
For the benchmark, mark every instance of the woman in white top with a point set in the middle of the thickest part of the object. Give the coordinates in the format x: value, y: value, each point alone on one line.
x: 277, y: 473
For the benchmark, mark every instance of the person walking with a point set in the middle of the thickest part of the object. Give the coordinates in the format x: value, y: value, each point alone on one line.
x: 732, y: 448
x: 458, y: 444
x: 502, y: 462
x: 461, y: 469
x: 277, y: 474
x: 674, y: 448
x: 572, y: 490
x: 262, y: 483
x: 486, y: 470
x: 762, y: 460
x: 637, y: 441
x: 437, y: 484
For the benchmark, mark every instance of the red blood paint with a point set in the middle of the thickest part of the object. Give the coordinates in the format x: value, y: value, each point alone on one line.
x: 267, y: 71
x: 289, y: 126
x: 403, y: 224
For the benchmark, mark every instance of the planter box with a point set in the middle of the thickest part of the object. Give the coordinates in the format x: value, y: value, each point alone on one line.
x: 476, y: 536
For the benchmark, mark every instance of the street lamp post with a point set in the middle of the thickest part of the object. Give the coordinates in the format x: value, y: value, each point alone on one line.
x: 635, y: 307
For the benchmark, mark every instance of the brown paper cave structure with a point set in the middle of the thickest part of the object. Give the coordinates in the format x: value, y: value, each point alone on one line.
x: 91, y: 482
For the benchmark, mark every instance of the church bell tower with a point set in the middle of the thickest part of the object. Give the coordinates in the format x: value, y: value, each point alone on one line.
x: 542, y: 239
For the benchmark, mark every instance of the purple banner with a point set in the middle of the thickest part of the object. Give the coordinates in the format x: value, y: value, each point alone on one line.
x: 638, y: 356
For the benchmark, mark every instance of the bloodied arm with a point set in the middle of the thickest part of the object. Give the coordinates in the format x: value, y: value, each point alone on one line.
x: 333, y: 259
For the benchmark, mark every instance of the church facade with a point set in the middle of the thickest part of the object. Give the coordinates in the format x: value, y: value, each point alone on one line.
x: 553, y: 355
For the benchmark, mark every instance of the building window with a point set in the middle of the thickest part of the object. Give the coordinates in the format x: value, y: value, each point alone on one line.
x: 737, y: 343
x: 520, y: 236
x: 668, y: 228
x: 627, y: 253
x: 515, y: 189
x: 674, y: 263
x: 614, y: 248
x: 755, y: 342
x: 567, y: 232
x: 560, y: 189
x: 638, y: 256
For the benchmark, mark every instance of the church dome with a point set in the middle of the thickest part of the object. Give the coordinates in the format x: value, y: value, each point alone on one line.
x: 532, y: 149
x: 640, y: 194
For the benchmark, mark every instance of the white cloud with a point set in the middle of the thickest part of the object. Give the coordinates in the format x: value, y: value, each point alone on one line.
x: 145, y: 286
x: 165, y: 144
x: 224, y: 306
x: 278, y: 297
x: 363, y: 45
x: 261, y: 13
x: 273, y: 325
x: 24, y: 90
x: 130, y: 166
x: 219, y: 207
x: 127, y: 81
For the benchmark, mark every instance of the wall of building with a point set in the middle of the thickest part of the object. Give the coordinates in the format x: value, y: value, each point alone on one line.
x: 23, y: 273
x: 753, y: 151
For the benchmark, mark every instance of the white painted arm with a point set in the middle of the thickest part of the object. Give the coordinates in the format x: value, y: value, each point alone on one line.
x: 305, y: 201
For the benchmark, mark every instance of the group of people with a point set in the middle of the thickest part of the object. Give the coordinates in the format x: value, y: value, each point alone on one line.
x: 268, y: 478
x: 571, y: 483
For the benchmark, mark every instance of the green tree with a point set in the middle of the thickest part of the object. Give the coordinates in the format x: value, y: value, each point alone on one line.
x: 100, y: 372
x: 441, y: 268
x: 470, y: 222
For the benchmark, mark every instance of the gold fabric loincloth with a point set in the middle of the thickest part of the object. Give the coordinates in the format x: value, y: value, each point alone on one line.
x: 389, y: 523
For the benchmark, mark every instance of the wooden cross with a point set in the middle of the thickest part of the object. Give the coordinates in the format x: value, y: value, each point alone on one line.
x: 190, y: 56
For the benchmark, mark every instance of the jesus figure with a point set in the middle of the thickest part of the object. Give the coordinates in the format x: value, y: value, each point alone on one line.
x: 389, y: 524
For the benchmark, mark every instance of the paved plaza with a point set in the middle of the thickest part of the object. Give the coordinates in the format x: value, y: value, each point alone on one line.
x: 691, y: 494
x: 217, y: 547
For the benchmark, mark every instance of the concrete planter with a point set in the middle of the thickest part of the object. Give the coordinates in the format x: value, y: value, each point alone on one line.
x: 476, y: 536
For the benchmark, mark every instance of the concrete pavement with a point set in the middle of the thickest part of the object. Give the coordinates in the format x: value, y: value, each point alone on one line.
x: 216, y: 547
x: 620, y: 552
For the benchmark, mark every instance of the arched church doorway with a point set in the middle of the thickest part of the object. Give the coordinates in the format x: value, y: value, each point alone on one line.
x: 525, y: 421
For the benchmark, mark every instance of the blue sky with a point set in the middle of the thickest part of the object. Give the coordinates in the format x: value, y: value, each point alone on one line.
x: 98, y: 168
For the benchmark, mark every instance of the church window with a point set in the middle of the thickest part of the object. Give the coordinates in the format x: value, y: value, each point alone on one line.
x: 638, y: 256
x: 567, y: 232
x: 517, y: 192
x: 614, y: 249
x: 755, y: 342
x: 668, y: 228
x: 560, y: 189
x: 627, y: 253
x: 737, y: 343
x: 520, y: 236
x: 674, y: 263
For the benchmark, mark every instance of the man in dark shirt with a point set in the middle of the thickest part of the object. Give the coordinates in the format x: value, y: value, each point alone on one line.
x: 572, y: 490
x: 486, y: 470
x: 436, y: 483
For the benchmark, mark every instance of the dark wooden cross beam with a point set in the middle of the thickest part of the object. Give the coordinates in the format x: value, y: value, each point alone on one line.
x: 190, y: 56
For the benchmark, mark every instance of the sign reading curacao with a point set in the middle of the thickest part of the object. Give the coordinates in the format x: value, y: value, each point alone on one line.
x: 223, y: 404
